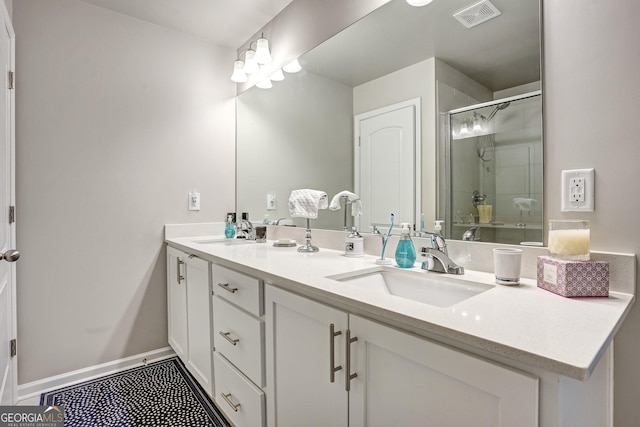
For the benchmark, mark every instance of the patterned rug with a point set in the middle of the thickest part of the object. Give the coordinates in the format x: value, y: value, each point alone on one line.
x: 160, y: 394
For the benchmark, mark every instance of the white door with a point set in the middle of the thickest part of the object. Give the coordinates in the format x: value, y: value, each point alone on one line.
x: 403, y: 380
x: 385, y: 171
x: 304, y: 348
x: 8, y: 363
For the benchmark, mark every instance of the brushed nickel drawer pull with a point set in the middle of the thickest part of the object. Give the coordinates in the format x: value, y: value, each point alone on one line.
x: 231, y: 340
x: 227, y: 399
x: 179, y: 277
x: 349, y: 376
x: 332, y: 356
x: 226, y: 287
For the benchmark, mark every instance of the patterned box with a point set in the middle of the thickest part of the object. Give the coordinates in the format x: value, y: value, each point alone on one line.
x: 573, y: 278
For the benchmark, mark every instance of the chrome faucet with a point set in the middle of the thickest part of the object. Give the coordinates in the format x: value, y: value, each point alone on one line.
x: 470, y: 234
x: 439, y: 262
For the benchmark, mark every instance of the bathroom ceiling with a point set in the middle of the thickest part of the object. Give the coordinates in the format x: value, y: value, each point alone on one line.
x: 227, y: 23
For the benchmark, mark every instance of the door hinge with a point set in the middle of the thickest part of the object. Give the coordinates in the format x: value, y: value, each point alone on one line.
x: 14, y: 347
x: 10, y: 80
x: 12, y: 214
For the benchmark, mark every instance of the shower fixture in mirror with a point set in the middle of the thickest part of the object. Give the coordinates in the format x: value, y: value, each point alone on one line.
x: 301, y: 133
x: 494, y: 177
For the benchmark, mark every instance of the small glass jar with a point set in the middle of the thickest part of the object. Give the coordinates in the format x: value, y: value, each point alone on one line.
x: 569, y: 239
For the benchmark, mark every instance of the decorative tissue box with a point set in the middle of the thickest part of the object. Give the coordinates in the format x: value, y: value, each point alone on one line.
x: 573, y: 278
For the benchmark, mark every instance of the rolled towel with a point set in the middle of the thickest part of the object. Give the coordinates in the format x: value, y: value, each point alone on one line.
x: 354, y: 199
x: 305, y: 203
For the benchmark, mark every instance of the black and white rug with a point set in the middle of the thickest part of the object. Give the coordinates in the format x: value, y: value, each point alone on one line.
x: 160, y: 394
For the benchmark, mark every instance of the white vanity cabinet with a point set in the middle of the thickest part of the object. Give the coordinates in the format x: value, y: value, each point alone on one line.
x: 238, y: 337
x: 395, y: 378
x: 189, y: 314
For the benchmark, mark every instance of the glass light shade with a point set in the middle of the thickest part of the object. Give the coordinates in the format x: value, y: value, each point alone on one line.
x: 250, y: 64
x: 292, y: 67
x: 277, y: 76
x: 476, y: 125
x: 239, y: 76
x: 264, y: 84
x: 463, y: 128
x: 419, y: 3
x: 262, y: 55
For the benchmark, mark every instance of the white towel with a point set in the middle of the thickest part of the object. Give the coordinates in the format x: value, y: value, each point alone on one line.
x: 354, y: 199
x: 523, y: 204
x: 305, y: 203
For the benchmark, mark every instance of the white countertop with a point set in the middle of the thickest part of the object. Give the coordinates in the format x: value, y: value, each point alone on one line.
x: 521, y: 323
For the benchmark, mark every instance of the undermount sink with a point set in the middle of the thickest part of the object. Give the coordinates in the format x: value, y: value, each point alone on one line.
x: 219, y: 240
x: 429, y: 288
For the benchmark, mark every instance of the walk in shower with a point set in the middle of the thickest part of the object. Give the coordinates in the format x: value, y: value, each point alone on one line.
x: 494, y: 175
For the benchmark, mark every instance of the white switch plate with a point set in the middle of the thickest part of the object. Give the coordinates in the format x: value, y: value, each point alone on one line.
x: 578, y: 190
x: 194, y: 201
x: 271, y: 202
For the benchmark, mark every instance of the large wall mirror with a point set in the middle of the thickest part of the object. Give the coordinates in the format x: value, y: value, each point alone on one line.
x: 301, y: 133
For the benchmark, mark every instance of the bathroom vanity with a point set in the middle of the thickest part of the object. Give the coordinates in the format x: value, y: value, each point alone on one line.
x: 297, y: 342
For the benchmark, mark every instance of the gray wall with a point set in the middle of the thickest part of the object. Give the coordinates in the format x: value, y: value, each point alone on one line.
x: 116, y: 121
x: 591, y: 102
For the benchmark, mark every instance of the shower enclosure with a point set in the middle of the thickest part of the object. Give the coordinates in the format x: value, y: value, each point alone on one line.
x: 494, y: 171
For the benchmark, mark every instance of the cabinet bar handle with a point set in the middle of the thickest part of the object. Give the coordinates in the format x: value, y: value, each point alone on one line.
x: 231, y: 340
x: 179, y: 277
x: 226, y: 287
x: 349, y: 376
x: 332, y: 356
x: 227, y: 399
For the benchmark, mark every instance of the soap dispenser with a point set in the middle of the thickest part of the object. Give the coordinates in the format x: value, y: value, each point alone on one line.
x: 229, y: 228
x: 405, y: 251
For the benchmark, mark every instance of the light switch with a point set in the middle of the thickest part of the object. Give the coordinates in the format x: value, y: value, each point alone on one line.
x: 194, y: 201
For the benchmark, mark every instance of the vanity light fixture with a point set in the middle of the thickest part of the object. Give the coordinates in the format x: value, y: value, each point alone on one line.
x: 262, y: 55
x: 292, y: 67
x: 239, y: 76
x: 265, y: 83
x: 418, y: 3
x: 476, y: 123
x: 277, y: 76
x: 250, y: 64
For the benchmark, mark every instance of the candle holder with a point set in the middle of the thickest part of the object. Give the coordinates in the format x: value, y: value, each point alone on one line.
x: 569, y: 239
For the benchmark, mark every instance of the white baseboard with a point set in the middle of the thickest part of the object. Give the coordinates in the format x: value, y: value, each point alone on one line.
x: 35, y: 388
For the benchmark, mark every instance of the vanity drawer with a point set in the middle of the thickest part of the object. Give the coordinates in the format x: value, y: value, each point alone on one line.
x: 239, y: 398
x: 240, y: 289
x: 239, y: 337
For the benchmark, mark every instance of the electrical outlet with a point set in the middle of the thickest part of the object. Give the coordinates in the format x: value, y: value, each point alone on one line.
x: 194, y: 201
x: 271, y: 202
x: 578, y: 190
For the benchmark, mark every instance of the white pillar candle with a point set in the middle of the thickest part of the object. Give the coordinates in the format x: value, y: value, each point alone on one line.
x: 569, y: 242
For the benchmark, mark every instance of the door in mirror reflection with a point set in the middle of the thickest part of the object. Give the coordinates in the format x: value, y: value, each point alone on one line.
x: 385, y: 168
x: 496, y: 171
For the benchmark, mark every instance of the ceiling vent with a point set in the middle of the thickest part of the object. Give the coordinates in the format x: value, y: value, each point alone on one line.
x: 477, y: 13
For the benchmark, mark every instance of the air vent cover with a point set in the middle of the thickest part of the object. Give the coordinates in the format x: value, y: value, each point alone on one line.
x: 477, y: 13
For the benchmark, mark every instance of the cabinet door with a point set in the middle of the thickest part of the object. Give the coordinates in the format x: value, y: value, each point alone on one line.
x: 199, y: 361
x: 298, y: 362
x: 177, y: 302
x: 404, y: 380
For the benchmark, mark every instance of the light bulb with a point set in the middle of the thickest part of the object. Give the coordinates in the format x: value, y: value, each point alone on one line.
x: 419, y: 3
x: 463, y: 128
x: 239, y: 76
x: 292, y: 67
x: 476, y: 125
x: 262, y: 55
x: 250, y: 64
x: 264, y: 84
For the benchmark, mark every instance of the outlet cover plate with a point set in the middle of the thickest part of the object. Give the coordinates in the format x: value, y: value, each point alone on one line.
x: 578, y: 190
x: 194, y: 201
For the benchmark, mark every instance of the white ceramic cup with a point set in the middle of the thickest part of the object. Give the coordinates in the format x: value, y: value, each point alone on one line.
x: 506, y: 265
